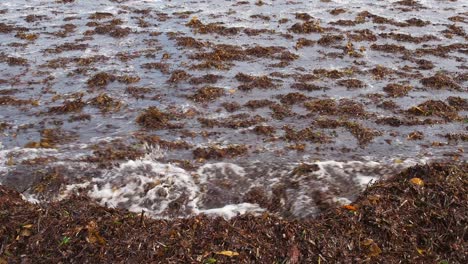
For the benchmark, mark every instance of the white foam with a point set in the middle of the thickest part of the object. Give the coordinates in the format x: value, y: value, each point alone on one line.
x: 144, y: 185
x: 20, y: 155
x: 365, y: 180
x: 150, y: 186
x: 341, y: 200
x: 69, y: 189
x: 164, y: 190
x: 232, y: 210
x: 207, y: 171
x: 30, y: 198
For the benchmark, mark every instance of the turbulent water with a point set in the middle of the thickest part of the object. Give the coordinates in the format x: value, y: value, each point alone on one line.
x: 225, y: 107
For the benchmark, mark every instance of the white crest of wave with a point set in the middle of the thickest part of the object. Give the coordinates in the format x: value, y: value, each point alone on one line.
x: 144, y: 185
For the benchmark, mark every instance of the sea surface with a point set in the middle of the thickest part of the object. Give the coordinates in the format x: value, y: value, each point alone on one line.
x: 177, y: 108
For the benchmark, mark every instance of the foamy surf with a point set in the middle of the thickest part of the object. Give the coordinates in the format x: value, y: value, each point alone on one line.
x: 94, y: 145
x: 164, y: 190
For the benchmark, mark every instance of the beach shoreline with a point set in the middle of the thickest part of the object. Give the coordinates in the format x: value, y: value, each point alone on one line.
x: 418, y: 216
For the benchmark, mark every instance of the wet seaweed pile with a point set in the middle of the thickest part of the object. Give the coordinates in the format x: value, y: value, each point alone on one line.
x: 279, y: 88
x: 417, y: 216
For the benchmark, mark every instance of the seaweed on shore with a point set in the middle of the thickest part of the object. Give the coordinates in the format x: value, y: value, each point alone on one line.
x: 440, y: 81
x: 207, y: 94
x: 388, y: 222
x: 218, y: 152
x: 50, y: 138
x: 397, y: 90
x: 107, y: 154
x: 154, y: 118
x: 101, y: 79
x: 435, y: 108
x: 68, y: 106
x: 217, y: 28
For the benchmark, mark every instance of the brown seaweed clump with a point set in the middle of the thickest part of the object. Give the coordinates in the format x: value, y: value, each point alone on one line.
x: 458, y: 102
x: 50, y: 138
x: 163, y: 67
x: 5, y: 28
x: 307, y: 27
x: 68, y: 106
x: 101, y: 79
x: 380, y: 72
x: 280, y: 111
x: 304, y: 169
x: 106, y: 103
x: 352, y: 83
x: 337, y: 11
x: 306, y: 134
x: 217, y: 28
x: 408, y: 37
x: 15, y: 61
x: 251, y: 82
x: 328, y: 40
x: 345, y: 107
x: 333, y: 74
x: 100, y: 15
x: 255, y: 104
x: 292, y: 98
x: 26, y: 36
x: 107, y: 154
x: 303, y: 16
x: 303, y: 42
x: 424, y: 64
x: 207, y: 94
x: 231, y: 106
x: 264, y: 130
x: 128, y: 79
x: 456, y: 137
x: 207, y: 78
x: 363, y: 134
x: 189, y: 42
x: 389, y: 48
x: 217, y: 152
x: 138, y: 92
x: 344, y: 22
x: 79, y: 118
x: 9, y: 100
x: 222, y: 55
x: 397, y: 90
x: 178, y: 76
x: 4, y: 126
x: 322, y: 106
x: 435, y: 108
x: 388, y: 105
x: 236, y: 121
x: 307, y: 87
x: 363, y: 35
x: 48, y: 183
x: 67, y: 47
x: 440, y: 81
x: 415, y: 135
x: 153, y: 118
x: 111, y: 29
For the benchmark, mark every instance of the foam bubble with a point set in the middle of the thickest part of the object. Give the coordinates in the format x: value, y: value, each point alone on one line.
x: 164, y: 190
x: 232, y: 210
x: 151, y: 186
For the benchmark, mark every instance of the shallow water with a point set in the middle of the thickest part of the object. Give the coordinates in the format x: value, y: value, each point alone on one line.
x: 51, y: 51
